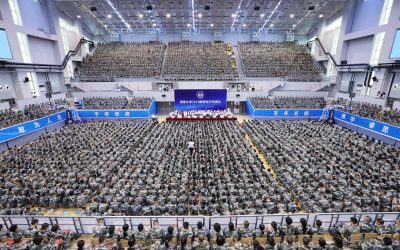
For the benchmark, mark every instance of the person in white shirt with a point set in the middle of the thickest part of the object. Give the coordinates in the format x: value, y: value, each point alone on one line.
x: 191, y: 147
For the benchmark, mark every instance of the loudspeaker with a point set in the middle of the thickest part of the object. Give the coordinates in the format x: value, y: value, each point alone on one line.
x: 375, y: 79
x: 207, y: 7
x: 351, y: 86
x: 344, y: 62
x: 149, y: 7
x: 49, y: 89
x: 163, y: 95
x: 256, y: 7
x: 237, y: 95
x: 311, y: 7
x: 93, y: 9
x: 26, y: 79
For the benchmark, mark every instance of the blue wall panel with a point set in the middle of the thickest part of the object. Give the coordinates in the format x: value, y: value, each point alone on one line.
x: 381, y: 128
x: 9, y: 133
x: 120, y: 114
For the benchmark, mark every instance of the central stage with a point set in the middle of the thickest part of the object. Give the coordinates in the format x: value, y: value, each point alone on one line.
x: 171, y: 119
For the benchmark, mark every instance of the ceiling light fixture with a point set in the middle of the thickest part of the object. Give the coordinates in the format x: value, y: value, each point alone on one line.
x: 244, y: 25
x: 188, y: 24
x: 291, y: 15
x: 235, y: 15
x: 140, y: 15
x: 168, y: 15
x: 321, y: 16
x: 118, y: 14
x: 78, y: 16
x: 154, y: 24
x: 212, y: 25
x: 200, y: 15
x: 109, y: 16
x: 193, y: 21
x: 294, y: 25
x: 262, y: 15
x: 272, y: 25
x: 269, y: 17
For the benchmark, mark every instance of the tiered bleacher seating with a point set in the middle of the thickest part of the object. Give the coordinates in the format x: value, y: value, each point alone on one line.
x: 371, y: 111
x: 283, y: 60
x: 113, y: 60
x: 199, y: 61
x: 33, y: 111
x: 283, y: 102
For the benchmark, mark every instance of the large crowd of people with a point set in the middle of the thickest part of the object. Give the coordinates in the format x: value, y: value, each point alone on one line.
x: 10, y: 117
x: 369, y: 110
x: 329, y: 168
x: 121, y: 102
x: 199, y: 61
x: 279, y: 60
x: 142, y: 168
x: 116, y: 59
x: 278, y: 102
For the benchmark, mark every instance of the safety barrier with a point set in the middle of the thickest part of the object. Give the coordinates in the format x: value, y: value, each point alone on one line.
x: 85, y: 224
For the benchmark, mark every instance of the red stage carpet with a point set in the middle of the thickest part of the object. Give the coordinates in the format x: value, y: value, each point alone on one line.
x: 170, y: 119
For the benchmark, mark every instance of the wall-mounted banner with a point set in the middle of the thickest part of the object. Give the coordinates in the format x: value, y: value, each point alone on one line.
x: 9, y: 133
x: 200, y: 99
x: 288, y: 112
x: 372, y: 125
x: 123, y: 113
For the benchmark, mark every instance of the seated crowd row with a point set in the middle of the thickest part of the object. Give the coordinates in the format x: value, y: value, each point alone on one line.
x: 121, y: 102
x: 282, y: 102
x: 286, y: 236
x: 10, y: 117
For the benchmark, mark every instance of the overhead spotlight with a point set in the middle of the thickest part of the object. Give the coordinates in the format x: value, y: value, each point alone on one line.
x: 149, y: 7
x: 321, y: 16
x: 262, y: 15
x: 168, y: 15
x: 154, y: 24
x: 212, y: 25
x: 140, y: 15
x: 109, y: 16
x: 78, y: 16
x: 199, y: 15
x: 291, y: 15
x: 233, y: 15
x: 272, y: 25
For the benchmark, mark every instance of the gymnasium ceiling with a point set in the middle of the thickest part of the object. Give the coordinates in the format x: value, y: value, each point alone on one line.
x: 276, y: 16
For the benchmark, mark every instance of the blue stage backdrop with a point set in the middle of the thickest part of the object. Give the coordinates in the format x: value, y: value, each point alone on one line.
x: 200, y: 99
